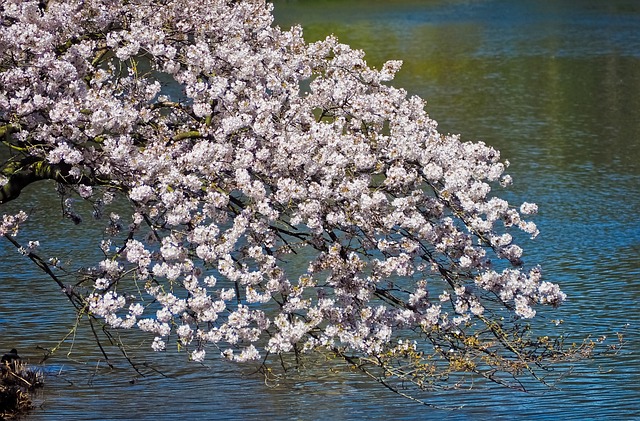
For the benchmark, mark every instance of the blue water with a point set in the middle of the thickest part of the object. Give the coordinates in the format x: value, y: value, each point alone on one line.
x: 555, y: 85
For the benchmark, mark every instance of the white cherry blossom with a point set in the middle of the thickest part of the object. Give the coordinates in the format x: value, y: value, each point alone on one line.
x: 282, y: 196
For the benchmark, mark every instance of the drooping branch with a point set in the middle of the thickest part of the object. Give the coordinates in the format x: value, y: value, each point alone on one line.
x: 75, y: 299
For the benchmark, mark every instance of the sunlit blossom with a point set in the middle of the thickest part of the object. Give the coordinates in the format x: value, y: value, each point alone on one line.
x: 264, y: 195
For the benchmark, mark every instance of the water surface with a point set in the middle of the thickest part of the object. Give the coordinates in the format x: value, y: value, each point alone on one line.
x: 555, y: 85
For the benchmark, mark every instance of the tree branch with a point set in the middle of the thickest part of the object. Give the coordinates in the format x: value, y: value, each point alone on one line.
x: 22, y: 173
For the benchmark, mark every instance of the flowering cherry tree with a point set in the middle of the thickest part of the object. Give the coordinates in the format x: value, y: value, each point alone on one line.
x: 265, y: 198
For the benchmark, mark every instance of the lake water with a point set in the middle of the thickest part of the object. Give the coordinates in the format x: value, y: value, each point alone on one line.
x: 555, y: 85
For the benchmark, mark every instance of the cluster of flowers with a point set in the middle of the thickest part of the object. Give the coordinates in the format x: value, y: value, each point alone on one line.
x: 283, y: 195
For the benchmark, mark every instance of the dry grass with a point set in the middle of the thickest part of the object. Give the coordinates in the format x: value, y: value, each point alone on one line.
x: 16, y: 383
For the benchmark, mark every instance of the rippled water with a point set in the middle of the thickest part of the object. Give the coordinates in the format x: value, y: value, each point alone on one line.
x: 555, y: 85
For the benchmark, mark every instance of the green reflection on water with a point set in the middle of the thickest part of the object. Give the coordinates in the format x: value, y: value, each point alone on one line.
x: 519, y: 76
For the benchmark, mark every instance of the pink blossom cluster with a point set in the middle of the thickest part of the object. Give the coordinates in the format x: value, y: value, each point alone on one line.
x: 281, y: 195
x: 10, y: 224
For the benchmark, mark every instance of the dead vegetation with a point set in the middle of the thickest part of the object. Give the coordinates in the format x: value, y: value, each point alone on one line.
x: 17, y: 382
